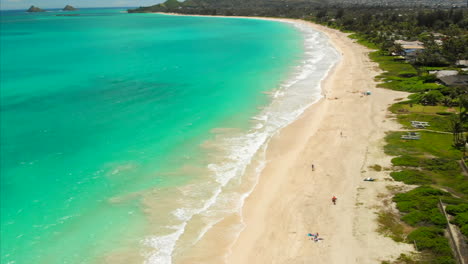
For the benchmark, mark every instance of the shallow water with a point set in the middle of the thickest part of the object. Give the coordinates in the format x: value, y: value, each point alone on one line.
x: 119, y: 131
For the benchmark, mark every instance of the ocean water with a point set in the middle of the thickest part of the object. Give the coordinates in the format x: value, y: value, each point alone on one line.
x: 126, y: 137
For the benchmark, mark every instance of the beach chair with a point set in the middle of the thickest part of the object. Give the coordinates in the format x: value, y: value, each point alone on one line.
x: 419, y: 124
x: 410, y: 137
x: 425, y: 124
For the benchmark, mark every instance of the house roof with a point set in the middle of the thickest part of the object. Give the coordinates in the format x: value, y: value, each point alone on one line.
x: 443, y: 73
x: 462, y: 62
x: 453, y: 80
x: 410, y: 44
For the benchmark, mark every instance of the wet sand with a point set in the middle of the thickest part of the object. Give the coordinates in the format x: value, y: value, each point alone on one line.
x: 342, y: 136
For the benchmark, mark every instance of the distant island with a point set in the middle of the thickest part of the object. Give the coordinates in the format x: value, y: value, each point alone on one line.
x: 35, y: 9
x: 69, y: 8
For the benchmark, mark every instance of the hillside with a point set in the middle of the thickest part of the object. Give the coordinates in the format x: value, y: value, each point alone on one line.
x: 231, y: 7
x: 290, y: 8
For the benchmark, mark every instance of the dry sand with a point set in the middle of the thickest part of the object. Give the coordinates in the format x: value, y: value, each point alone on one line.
x: 342, y: 135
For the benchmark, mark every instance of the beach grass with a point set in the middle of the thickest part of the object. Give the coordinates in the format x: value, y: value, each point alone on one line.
x: 391, y: 226
x: 376, y: 167
x: 404, y: 259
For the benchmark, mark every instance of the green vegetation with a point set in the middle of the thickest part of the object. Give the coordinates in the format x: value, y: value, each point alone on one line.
x: 432, y: 162
x: 460, y: 216
x: 403, y: 258
x: 407, y: 107
x: 440, y: 146
x: 420, y: 206
x: 421, y: 211
x: 437, y: 122
x: 391, y: 226
x: 363, y: 41
x: 432, y: 240
x: 423, y: 163
x: 390, y: 66
x: 376, y: 167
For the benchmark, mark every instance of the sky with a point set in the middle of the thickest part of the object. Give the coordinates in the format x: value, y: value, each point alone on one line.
x: 25, y: 4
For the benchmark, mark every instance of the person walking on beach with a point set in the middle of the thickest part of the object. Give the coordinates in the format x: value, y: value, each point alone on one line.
x: 334, y: 200
x: 313, y: 168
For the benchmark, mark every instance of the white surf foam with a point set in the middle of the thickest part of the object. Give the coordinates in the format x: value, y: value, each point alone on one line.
x: 288, y: 103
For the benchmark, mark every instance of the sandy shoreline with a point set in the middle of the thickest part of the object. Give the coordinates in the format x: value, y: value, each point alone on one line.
x: 291, y: 200
x: 342, y: 136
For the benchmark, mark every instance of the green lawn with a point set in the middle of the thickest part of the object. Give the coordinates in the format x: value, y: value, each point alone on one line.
x: 361, y: 40
x: 391, y: 66
x: 436, y: 122
x: 410, y: 84
x: 419, y: 208
x: 430, y: 144
x: 431, y: 160
x: 405, y: 107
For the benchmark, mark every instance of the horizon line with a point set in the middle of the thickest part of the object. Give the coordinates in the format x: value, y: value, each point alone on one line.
x: 50, y: 8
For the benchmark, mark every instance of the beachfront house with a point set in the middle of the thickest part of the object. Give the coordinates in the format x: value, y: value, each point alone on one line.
x: 411, y: 49
x: 443, y: 73
x: 462, y: 63
x: 454, y: 80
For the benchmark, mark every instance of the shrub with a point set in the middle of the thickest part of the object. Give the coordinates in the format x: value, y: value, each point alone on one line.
x: 429, y: 78
x: 464, y: 230
x: 456, y: 209
x: 441, y: 164
x: 461, y: 219
x: 376, y: 167
x: 444, y: 113
x: 421, y: 206
x: 432, y: 238
x: 411, y: 177
x: 432, y: 97
x: 414, y: 218
x: 406, y: 74
x: 406, y: 160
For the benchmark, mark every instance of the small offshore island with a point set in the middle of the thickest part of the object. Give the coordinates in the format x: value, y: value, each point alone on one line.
x: 34, y: 9
x: 69, y: 8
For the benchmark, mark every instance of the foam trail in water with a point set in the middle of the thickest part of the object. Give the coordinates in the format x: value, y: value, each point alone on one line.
x: 288, y: 103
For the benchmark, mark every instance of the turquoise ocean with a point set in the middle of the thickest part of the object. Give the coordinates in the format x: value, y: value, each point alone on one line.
x: 128, y: 136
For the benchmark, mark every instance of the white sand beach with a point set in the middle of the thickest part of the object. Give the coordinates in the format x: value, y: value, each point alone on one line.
x: 342, y: 135
x: 291, y: 200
